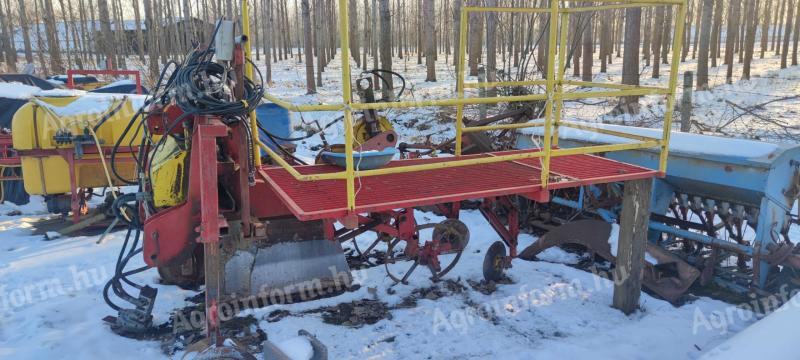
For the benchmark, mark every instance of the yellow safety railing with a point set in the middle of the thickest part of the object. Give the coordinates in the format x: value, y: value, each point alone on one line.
x: 554, y: 96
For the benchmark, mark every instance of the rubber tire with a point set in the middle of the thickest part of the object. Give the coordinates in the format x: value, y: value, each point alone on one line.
x: 494, y: 256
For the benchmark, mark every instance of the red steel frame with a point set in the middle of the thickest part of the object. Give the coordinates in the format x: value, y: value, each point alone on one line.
x: 72, y: 72
x: 313, y: 200
x: 8, y: 157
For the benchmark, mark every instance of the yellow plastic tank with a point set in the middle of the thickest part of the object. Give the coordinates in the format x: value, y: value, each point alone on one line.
x: 36, y: 124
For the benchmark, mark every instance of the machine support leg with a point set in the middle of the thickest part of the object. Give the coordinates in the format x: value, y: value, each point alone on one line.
x: 632, y: 241
x: 210, y: 223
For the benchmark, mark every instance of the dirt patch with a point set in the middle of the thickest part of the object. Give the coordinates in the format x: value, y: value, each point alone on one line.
x: 357, y: 262
x: 187, y: 328
x: 355, y: 313
x: 488, y: 287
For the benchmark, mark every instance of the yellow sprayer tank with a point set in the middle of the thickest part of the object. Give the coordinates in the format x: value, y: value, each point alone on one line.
x: 36, y: 124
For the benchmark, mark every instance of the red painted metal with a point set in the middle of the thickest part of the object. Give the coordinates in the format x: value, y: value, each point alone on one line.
x: 509, y: 233
x: 72, y: 72
x: 314, y: 200
x: 170, y: 235
x: 8, y: 156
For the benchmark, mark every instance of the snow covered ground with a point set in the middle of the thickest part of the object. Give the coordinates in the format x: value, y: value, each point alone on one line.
x: 50, y: 291
x: 52, y: 307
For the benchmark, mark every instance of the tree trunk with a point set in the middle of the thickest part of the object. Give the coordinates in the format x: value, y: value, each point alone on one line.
x: 152, y: 40
x: 751, y: 20
x: 311, y: 87
x: 702, y: 57
x: 430, y: 36
x: 715, y: 32
x: 475, y: 37
x: 7, y: 39
x: 53, y: 45
x: 796, y: 35
x: 730, y: 39
x: 658, y: 32
x: 605, y: 39
x: 355, y: 47
x: 778, y: 26
x: 456, y: 29
x: 266, y: 9
x: 787, y: 34
x: 26, y: 38
x: 666, y: 37
x: 386, y: 46
x: 588, y: 48
x: 491, y: 46
x: 630, y: 60
x: 765, y: 27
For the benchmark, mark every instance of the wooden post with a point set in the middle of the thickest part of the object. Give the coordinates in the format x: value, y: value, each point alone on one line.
x: 632, y: 240
x: 686, y: 102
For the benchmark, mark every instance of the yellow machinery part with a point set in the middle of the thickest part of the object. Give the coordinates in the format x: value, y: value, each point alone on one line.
x: 360, y: 129
x: 35, y: 124
x: 168, y: 175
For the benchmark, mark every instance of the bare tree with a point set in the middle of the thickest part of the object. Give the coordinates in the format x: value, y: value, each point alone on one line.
x: 311, y: 87
x: 266, y: 10
x: 386, y: 45
x: 7, y: 39
x: 787, y: 33
x: 491, y: 46
x: 751, y: 20
x: 428, y: 16
x: 702, y: 57
x: 456, y: 26
x: 765, y: 27
x: 778, y: 27
x: 152, y: 39
x: 730, y: 39
x: 658, y: 32
x: 630, y: 60
x: 51, y: 31
x: 26, y: 38
x: 796, y: 35
x: 475, y: 36
x: 588, y: 48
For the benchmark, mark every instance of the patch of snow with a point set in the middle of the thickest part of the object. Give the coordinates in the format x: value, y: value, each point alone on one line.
x: 613, y: 241
x: 769, y: 338
x: 296, y: 348
x: 120, y: 83
x: 15, y: 90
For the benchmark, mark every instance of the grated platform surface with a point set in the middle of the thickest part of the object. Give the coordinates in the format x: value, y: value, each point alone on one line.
x: 311, y: 200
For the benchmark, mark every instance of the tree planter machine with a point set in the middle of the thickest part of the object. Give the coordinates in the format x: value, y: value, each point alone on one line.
x: 210, y: 211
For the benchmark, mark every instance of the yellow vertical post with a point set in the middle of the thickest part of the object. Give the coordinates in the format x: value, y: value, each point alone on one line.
x: 347, y: 98
x: 562, y: 63
x: 248, y: 72
x: 677, y: 45
x: 462, y: 54
x: 551, y: 80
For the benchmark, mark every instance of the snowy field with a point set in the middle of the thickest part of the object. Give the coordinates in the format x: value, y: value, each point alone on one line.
x: 52, y: 306
x: 50, y: 291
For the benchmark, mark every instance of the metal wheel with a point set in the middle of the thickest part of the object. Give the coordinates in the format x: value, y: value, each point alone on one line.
x: 449, y: 237
x: 494, y: 262
x: 452, y: 237
x: 392, y: 259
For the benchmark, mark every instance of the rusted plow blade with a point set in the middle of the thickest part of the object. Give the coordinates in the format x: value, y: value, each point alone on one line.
x: 669, y: 278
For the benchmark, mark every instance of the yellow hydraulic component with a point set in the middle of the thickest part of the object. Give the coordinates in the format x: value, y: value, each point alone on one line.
x: 35, y: 125
x: 361, y: 134
x: 168, y: 175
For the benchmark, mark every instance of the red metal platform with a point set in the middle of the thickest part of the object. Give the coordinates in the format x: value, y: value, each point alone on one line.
x: 326, y: 199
